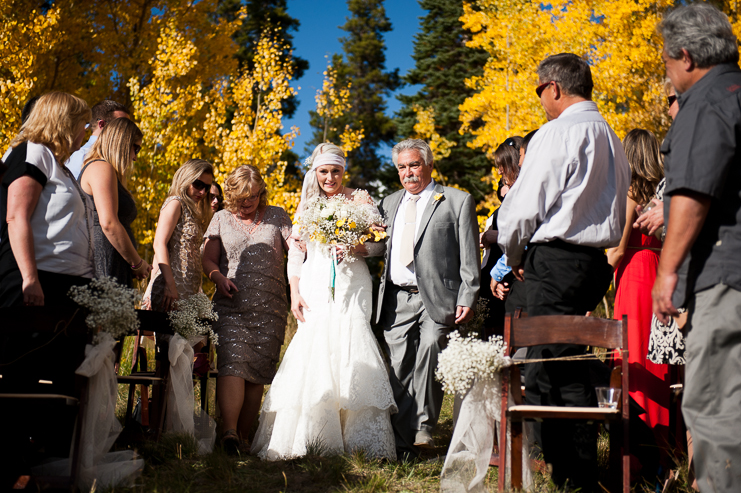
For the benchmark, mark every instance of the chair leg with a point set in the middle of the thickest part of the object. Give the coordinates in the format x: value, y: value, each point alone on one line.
x: 145, y: 405
x: 615, y: 461
x: 130, y: 403
x: 516, y: 452
x: 501, y: 480
x: 204, y: 392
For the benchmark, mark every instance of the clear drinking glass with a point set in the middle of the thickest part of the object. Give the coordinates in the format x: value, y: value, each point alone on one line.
x: 607, y: 397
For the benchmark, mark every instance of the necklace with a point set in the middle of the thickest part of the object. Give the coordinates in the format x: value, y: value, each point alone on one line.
x: 255, y: 223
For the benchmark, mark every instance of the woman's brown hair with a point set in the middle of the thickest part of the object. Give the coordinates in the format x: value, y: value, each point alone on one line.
x: 507, y: 158
x: 646, y: 166
x: 114, y: 146
x: 238, y: 186
x: 55, y: 121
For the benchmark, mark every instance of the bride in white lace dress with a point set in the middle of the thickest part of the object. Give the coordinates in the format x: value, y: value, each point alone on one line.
x: 332, y: 389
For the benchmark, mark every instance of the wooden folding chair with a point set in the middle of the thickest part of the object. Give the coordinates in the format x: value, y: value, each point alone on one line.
x: 42, y: 400
x: 565, y: 329
x: 152, y: 418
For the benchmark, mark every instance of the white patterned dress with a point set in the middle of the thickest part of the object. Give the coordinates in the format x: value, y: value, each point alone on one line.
x: 332, y: 388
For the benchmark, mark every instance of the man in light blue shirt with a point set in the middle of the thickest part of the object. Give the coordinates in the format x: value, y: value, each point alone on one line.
x: 103, y: 113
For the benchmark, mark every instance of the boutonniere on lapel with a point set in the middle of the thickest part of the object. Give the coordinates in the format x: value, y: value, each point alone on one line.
x: 439, y: 197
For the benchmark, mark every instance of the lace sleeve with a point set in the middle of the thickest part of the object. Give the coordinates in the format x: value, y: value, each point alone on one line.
x: 295, y: 259
x: 213, y: 231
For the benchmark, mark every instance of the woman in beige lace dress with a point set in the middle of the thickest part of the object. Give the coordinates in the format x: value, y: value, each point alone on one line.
x: 243, y: 256
x: 183, y: 218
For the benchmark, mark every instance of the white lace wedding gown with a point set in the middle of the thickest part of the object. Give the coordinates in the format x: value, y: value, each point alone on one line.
x: 332, y: 389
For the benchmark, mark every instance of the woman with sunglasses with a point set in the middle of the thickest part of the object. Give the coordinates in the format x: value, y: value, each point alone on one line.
x: 217, y: 198
x: 183, y: 219
x: 103, y: 178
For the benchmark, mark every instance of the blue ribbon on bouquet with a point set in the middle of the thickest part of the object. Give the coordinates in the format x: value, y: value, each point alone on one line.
x: 333, y: 272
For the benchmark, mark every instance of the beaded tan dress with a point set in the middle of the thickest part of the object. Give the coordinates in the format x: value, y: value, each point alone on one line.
x: 184, y: 249
x: 252, y: 323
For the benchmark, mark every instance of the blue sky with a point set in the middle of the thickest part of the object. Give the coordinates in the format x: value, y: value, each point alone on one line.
x: 319, y: 35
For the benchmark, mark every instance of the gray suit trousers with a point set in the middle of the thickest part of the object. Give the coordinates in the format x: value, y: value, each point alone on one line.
x: 712, y: 390
x: 414, y: 342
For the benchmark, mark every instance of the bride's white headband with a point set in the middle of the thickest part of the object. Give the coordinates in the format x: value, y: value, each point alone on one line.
x: 327, y: 158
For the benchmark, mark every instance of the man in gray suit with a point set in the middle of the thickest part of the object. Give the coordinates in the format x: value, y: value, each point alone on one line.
x: 430, y: 283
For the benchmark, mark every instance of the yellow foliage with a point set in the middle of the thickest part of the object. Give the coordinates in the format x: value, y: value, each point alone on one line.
x: 23, y: 37
x: 618, y: 37
x: 184, y: 116
x: 332, y: 102
x: 425, y: 129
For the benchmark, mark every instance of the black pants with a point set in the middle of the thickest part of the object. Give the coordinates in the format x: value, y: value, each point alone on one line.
x: 55, y: 287
x: 564, y: 279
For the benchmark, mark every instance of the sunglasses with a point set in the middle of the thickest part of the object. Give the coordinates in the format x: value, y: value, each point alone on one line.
x: 539, y: 90
x: 671, y: 99
x: 200, y: 186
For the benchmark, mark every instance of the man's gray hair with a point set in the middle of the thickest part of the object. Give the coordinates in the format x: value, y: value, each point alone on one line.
x: 418, y: 145
x: 572, y: 73
x: 703, y: 31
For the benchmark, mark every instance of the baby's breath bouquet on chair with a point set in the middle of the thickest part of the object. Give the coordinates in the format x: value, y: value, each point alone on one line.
x: 471, y: 367
x: 339, y: 221
x: 112, y: 306
x: 189, y: 316
x: 112, y: 314
x: 189, y: 321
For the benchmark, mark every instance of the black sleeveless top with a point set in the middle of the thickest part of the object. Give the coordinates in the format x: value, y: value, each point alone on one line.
x: 108, y: 262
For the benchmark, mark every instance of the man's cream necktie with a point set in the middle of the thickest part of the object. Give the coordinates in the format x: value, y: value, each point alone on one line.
x: 406, y: 255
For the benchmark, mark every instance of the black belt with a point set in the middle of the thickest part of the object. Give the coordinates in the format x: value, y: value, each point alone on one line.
x: 408, y: 289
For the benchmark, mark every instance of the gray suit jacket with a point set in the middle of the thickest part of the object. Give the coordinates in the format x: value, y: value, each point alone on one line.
x: 446, y: 253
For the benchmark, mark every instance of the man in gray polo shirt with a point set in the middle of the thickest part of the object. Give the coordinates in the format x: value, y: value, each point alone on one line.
x: 701, y: 260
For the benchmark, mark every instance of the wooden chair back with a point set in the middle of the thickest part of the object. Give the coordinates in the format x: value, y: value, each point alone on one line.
x: 523, y: 331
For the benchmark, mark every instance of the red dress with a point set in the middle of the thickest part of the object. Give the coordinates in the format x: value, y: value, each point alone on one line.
x: 649, y: 382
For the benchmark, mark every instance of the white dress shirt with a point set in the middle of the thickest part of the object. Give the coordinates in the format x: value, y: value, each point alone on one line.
x: 403, y: 275
x: 572, y: 186
x: 78, y: 157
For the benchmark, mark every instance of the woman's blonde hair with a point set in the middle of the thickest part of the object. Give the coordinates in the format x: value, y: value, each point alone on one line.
x: 238, y: 186
x: 184, y: 177
x: 114, y: 147
x: 646, y: 166
x: 57, y: 118
x: 313, y: 188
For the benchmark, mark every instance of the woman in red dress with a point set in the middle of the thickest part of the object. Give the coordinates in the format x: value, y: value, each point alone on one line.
x: 635, y: 262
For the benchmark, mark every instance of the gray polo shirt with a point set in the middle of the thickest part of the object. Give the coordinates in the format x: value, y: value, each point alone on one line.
x: 703, y: 154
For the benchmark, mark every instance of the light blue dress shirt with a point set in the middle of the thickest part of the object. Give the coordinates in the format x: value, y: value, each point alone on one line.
x: 78, y: 157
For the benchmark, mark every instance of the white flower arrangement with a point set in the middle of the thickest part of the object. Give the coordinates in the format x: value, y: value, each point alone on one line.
x: 339, y: 221
x: 188, y: 317
x: 468, y: 359
x: 112, y: 306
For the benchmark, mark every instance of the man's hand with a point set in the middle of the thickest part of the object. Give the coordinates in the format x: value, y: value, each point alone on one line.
x: 662, y: 296
x: 651, y: 221
x: 519, y: 272
x: 487, y: 238
x: 502, y: 291
x: 463, y: 314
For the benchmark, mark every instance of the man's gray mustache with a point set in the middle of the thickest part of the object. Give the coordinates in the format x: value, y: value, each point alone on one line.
x: 411, y: 179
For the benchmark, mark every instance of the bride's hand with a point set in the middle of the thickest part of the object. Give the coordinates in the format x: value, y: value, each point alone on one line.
x: 341, y: 252
x: 297, y: 306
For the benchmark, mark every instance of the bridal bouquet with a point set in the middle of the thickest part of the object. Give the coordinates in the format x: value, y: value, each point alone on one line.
x: 467, y: 359
x: 111, y: 306
x: 188, y: 318
x: 339, y: 221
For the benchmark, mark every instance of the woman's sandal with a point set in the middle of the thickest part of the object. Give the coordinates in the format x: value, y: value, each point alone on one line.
x: 230, y: 441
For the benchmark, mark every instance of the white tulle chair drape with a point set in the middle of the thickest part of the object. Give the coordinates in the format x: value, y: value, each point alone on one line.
x: 181, y: 416
x: 467, y: 461
x: 100, y: 427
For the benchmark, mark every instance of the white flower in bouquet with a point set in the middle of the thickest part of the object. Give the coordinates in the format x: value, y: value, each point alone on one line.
x: 468, y: 359
x: 339, y: 221
x: 112, y: 306
x: 188, y: 319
